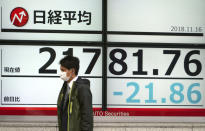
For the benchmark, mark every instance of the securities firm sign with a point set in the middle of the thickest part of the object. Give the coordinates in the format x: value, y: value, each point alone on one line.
x: 77, y: 17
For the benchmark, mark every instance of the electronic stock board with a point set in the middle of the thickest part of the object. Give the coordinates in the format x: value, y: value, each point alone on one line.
x: 155, y: 55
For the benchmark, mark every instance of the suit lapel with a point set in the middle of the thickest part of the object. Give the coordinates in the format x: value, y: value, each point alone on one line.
x: 65, y: 99
x: 61, y: 96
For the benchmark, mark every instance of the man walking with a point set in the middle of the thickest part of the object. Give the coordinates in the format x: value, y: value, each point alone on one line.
x: 74, y: 103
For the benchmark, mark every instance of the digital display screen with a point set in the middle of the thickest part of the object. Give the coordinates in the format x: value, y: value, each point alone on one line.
x: 156, y: 77
x: 156, y: 21
x: 147, y: 59
x: 64, y: 20
x: 30, y: 74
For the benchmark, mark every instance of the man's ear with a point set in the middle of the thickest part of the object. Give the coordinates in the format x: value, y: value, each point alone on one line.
x: 73, y: 71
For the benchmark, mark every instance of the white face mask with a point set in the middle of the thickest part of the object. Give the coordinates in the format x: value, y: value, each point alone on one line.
x: 64, y: 77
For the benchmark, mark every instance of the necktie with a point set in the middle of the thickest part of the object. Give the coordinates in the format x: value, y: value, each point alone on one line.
x: 66, y: 96
x: 68, y: 90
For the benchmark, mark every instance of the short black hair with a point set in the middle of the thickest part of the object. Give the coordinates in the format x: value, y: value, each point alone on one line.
x: 70, y: 62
